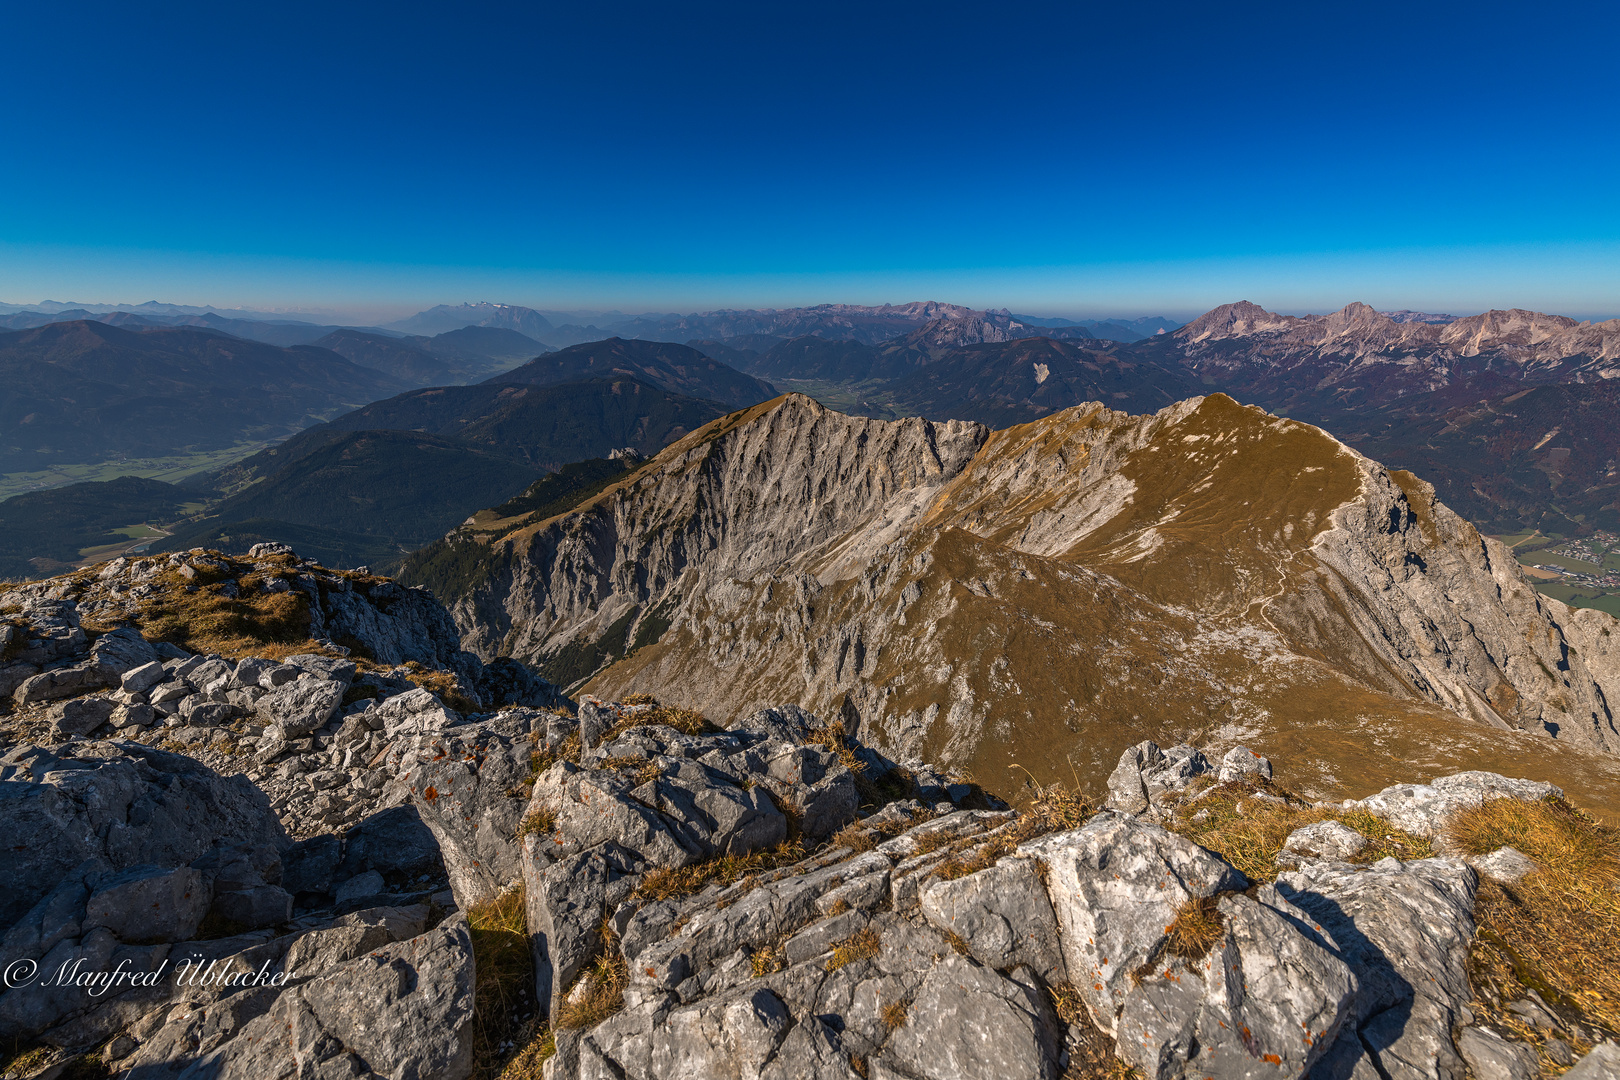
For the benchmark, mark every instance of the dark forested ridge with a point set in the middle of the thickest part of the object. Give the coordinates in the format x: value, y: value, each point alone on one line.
x: 86, y: 391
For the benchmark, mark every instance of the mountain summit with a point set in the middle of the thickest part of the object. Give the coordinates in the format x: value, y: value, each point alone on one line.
x: 1051, y: 593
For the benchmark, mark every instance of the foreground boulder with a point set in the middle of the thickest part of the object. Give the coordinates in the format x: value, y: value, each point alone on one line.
x: 145, y: 881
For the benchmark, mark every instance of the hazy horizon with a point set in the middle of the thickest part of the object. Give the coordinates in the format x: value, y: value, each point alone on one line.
x: 1079, y: 161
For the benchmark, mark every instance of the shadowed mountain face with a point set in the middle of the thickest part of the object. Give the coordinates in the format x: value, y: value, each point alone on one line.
x: 1051, y: 593
x: 86, y: 391
x: 1013, y: 382
x: 678, y: 369
x: 390, y: 491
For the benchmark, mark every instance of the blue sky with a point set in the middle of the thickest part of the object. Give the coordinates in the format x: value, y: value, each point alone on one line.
x: 1067, y: 159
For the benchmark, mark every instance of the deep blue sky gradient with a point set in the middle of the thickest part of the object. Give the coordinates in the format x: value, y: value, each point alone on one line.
x: 1072, y: 158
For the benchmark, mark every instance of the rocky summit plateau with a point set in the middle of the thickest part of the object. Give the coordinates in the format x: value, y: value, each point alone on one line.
x: 815, y: 747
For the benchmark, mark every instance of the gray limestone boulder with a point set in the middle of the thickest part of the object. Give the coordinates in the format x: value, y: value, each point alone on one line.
x: 1602, y: 1063
x: 329, y: 668
x: 565, y: 903
x: 300, y: 707
x: 1004, y: 915
x: 138, y: 680
x: 402, y: 1010
x: 124, y: 803
x: 1488, y: 1054
x: 1265, y: 994
x: 1322, y: 840
x: 1146, y: 774
x: 967, y: 1020
x: 734, y: 1036
x: 147, y: 904
x: 81, y: 716
x: 1505, y: 865
x: 594, y: 807
x: 119, y: 651
x: 1422, y: 809
x: 57, y: 684
x: 1404, y: 930
x: 1116, y: 885
x: 1241, y: 763
x: 785, y: 723
x: 415, y: 712
x: 466, y: 783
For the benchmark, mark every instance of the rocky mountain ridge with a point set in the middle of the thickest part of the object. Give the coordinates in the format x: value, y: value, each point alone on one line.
x: 985, y: 599
x: 1542, y: 345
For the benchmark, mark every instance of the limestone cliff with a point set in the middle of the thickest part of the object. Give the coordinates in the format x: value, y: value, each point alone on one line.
x: 1046, y: 595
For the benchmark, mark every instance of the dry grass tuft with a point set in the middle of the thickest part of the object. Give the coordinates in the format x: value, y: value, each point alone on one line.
x: 445, y: 684
x: 861, y: 945
x: 529, y: 1063
x: 1557, y: 930
x: 604, y: 984
x: 838, y: 907
x: 638, y: 699
x: 855, y: 837
x: 669, y: 883
x: 1248, y: 830
x: 542, y: 821
x: 980, y: 858
x: 958, y: 943
x: 648, y: 773
x: 503, y: 1007
x: 930, y: 842
x: 686, y: 721
x: 1091, y: 1051
x: 857, y: 1064
x: 894, y: 1013
x: 767, y: 959
x: 1196, y: 929
x: 543, y: 758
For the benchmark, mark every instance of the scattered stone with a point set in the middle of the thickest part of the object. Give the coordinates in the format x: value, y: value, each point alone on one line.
x: 1488, y: 1054
x: 300, y: 707
x: 1505, y: 865
x: 1322, y: 840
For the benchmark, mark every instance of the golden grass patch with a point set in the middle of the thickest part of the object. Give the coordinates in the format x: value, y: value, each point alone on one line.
x: 541, y: 821
x: 504, y: 1009
x: 668, y: 883
x: 1246, y: 823
x: 767, y: 959
x: 861, y: 945
x: 1196, y: 929
x: 545, y: 757
x: 600, y: 992
x: 1556, y: 930
x: 209, y: 621
x: 894, y: 1013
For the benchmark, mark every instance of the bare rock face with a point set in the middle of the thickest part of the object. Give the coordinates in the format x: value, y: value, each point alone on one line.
x: 1047, y: 595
